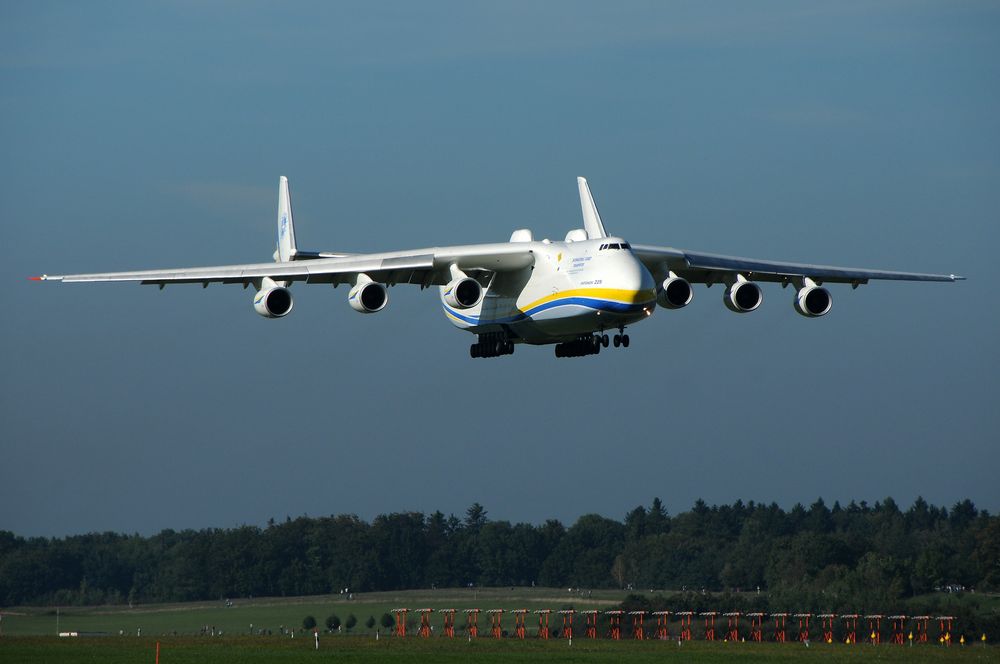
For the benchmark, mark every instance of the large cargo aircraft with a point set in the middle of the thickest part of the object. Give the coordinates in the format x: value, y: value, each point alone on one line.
x: 569, y: 293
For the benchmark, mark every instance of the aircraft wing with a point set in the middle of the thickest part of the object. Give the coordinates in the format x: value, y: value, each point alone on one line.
x: 704, y: 268
x: 426, y: 267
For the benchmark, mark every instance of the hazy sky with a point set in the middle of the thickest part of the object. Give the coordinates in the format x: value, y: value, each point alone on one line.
x: 152, y: 135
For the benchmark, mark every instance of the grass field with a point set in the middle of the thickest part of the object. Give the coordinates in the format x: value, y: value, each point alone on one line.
x: 270, y: 613
x: 181, y: 650
x: 28, y: 635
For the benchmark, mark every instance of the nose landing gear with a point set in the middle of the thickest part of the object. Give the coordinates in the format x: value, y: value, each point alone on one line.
x: 621, y: 339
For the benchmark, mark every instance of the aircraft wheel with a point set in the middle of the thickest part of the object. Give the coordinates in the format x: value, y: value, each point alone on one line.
x: 473, y: 351
x: 625, y: 340
x: 618, y: 340
x: 604, y: 340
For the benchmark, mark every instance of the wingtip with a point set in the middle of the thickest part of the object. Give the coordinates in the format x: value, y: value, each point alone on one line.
x: 36, y: 278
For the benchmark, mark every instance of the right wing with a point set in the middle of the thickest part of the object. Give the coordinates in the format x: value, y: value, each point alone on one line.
x: 427, y: 267
x: 701, y: 268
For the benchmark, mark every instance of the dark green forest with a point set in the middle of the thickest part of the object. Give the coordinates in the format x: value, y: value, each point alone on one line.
x: 839, y: 558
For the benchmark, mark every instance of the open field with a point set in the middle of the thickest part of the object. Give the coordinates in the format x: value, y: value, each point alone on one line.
x: 28, y: 634
x: 180, y: 650
x: 270, y: 613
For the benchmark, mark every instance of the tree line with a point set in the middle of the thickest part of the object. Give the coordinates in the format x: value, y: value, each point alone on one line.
x: 857, y: 556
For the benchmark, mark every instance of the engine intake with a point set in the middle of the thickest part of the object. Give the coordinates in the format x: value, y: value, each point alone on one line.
x: 369, y: 297
x: 274, y: 302
x: 743, y: 296
x: 463, y: 293
x: 813, y: 301
x: 674, y: 293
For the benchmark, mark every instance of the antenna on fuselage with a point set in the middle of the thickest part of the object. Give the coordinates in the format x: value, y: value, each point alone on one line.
x: 591, y: 217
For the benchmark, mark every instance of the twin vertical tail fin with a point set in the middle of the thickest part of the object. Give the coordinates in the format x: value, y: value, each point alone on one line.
x: 286, y: 250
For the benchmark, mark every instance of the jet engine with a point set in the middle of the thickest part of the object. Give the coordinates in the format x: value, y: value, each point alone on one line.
x: 463, y: 293
x: 675, y: 293
x: 273, y: 302
x: 813, y: 301
x: 368, y: 297
x: 743, y: 296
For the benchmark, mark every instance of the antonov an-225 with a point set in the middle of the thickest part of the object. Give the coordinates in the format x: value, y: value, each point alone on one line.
x: 568, y: 293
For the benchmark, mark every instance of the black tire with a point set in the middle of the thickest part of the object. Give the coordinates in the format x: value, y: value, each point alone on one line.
x: 472, y: 351
x: 604, y: 340
x: 618, y: 340
x: 625, y: 340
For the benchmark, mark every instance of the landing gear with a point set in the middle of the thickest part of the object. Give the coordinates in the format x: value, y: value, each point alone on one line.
x: 621, y: 339
x: 586, y: 345
x: 493, y: 344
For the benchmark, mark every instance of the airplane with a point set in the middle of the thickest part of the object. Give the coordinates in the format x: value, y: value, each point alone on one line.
x: 524, y: 291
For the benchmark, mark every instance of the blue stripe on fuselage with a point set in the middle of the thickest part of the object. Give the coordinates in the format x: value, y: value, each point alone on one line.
x: 596, y: 304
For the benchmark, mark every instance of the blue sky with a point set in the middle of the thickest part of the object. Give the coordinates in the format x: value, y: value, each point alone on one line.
x: 152, y: 135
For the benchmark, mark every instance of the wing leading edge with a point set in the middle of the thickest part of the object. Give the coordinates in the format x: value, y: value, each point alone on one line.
x: 705, y: 268
x: 427, y: 267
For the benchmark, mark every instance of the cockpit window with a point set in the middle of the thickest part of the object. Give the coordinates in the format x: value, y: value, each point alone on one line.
x: 615, y: 245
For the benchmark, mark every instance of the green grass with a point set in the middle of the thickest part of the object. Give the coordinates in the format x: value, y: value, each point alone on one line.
x: 270, y: 613
x: 28, y: 634
x: 181, y: 650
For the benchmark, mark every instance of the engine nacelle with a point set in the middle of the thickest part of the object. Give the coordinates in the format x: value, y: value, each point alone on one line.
x: 675, y: 293
x: 273, y: 302
x: 369, y: 297
x: 743, y: 296
x: 813, y: 301
x: 463, y: 293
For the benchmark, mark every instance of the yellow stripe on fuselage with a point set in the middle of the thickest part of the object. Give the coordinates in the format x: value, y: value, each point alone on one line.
x: 616, y: 294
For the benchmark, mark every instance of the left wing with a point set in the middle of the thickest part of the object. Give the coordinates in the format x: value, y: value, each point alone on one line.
x: 427, y: 267
x: 714, y: 268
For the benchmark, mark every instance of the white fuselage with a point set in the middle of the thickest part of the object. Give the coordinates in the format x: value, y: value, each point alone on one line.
x: 573, y: 289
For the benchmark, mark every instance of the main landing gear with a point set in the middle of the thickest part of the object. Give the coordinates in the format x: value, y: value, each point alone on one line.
x: 591, y: 344
x: 586, y: 345
x: 494, y: 344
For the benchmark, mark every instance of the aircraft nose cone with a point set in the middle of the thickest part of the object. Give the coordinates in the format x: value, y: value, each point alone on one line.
x: 637, y: 279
